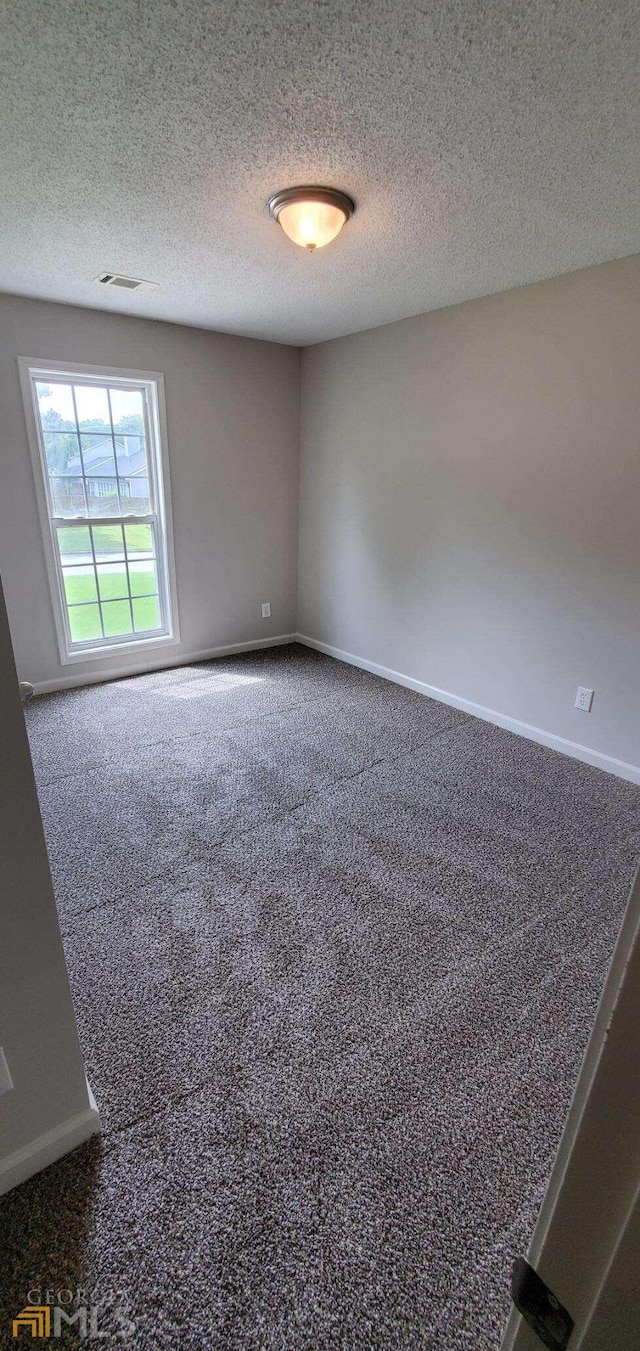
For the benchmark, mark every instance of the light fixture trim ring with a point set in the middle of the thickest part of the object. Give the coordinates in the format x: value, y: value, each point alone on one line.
x: 311, y: 193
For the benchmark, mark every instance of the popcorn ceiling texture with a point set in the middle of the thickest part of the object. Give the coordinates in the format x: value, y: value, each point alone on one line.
x: 486, y: 145
x: 335, y: 951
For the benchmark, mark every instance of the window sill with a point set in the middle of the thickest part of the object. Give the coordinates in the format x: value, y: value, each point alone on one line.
x: 118, y: 649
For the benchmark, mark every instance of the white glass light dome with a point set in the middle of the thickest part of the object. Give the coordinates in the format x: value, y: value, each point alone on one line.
x: 311, y: 216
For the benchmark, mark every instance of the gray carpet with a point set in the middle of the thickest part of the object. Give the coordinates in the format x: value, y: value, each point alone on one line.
x: 335, y: 951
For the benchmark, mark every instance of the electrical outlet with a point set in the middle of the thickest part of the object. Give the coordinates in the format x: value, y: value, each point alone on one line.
x: 6, y: 1082
x: 584, y: 699
x: 266, y: 609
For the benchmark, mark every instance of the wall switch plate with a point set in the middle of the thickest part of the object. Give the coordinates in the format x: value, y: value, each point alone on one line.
x: 584, y: 699
x: 266, y: 609
x: 6, y: 1082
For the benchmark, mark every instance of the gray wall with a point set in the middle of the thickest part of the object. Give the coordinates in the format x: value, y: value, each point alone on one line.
x: 469, y: 496
x: 233, y: 429
x: 37, y: 1025
x: 470, y: 492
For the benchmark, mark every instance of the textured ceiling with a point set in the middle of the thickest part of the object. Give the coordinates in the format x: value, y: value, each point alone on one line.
x: 487, y: 143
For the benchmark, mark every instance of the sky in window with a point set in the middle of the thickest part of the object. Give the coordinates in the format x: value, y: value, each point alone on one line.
x: 93, y: 401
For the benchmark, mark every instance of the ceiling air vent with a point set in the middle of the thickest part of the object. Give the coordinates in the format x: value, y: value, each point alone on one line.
x: 126, y: 283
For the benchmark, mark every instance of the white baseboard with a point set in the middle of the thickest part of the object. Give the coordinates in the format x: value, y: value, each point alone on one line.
x: 184, y: 659
x: 50, y: 1147
x: 525, y: 729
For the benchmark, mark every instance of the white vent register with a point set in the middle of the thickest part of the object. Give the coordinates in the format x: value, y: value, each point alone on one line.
x: 126, y: 283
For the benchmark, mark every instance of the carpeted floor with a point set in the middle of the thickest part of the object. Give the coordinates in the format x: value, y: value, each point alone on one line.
x: 335, y: 951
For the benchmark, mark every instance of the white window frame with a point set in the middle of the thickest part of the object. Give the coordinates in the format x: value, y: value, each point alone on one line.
x: 151, y: 383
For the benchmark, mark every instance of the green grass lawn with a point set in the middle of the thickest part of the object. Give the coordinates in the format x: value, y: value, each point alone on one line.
x: 109, y: 599
x: 107, y: 539
x: 112, y: 582
x: 84, y: 619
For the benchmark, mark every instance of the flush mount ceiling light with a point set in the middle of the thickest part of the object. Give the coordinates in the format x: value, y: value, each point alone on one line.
x: 311, y: 216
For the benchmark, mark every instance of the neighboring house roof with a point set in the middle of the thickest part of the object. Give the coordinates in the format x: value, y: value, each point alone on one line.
x: 98, y: 457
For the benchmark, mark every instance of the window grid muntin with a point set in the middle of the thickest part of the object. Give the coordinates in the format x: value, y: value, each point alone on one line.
x: 115, y: 461
x: 93, y: 555
x: 152, y: 556
x: 159, y: 557
x: 109, y: 432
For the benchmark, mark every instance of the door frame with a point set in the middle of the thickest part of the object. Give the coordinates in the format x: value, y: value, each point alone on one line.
x: 593, y: 1188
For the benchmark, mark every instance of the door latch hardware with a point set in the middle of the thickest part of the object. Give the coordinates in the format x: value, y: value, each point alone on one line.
x: 539, y: 1306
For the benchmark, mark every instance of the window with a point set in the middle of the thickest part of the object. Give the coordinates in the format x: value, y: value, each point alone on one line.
x: 102, y: 481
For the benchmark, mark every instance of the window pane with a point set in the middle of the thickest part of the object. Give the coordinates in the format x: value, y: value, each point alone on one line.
x: 116, y: 617
x: 100, y: 473
x: 131, y: 451
x: 55, y: 405
x: 102, y: 497
x: 127, y: 410
x: 93, y: 407
x: 112, y: 581
x: 62, y: 454
x: 132, y: 456
x: 139, y: 540
x: 79, y: 584
x: 84, y: 622
x: 108, y: 543
x: 146, y: 614
x: 136, y: 498
x: 74, y: 544
x: 68, y: 497
x: 144, y: 580
x: 97, y: 453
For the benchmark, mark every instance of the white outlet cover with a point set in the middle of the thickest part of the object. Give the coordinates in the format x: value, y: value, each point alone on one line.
x: 266, y: 609
x: 584, y: 699
x: 6, y: 1082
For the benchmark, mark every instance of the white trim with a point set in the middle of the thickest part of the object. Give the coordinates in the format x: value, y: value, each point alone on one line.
x: 516, y: 1332
x: 75, y: 369
x: 92, y: 652
x: 525, y: 729
x: 184, y: 659
x: 151, y: 384
x: 158, y: 410
x: 24, y: 368
x: 50, y: 1147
